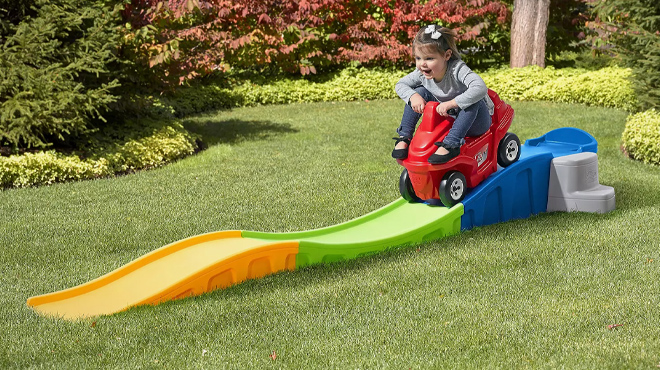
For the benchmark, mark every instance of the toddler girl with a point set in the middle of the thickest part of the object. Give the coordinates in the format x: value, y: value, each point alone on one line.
x: 442, y: 76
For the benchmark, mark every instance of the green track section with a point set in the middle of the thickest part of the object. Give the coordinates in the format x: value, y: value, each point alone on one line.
x: 397, y: 224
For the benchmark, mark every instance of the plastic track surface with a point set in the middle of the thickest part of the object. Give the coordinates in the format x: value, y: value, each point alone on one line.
x: 216, y: 260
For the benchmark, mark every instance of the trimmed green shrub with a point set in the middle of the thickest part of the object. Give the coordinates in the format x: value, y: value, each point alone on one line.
x: 350, y: 84
x: 54, y: 76
x: 347, y: 85
x: 635, y: 27
x: 153, y: 145
x: 45, y: 168
x: 641, y: 137
x: 513, y: 83
x: 608, y: 87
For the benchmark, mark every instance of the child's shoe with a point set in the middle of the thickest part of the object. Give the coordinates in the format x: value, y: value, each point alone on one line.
x: 444, y: 158
x: 401, y: 153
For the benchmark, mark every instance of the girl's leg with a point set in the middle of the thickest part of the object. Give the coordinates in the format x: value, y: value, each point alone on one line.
x: 410, y: 117
x: 471, y: 121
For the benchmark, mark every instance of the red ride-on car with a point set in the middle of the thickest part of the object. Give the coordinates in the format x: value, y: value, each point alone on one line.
x: 478, y: 158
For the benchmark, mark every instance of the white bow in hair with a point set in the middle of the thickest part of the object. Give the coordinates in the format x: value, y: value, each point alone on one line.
x: 434, y: 34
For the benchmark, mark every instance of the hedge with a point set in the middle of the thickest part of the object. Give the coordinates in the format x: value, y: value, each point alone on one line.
x: 152, y: 147
x: 641, y: 136
x: 348, y: 85
x: 166, y: 140
x: 608, y: 87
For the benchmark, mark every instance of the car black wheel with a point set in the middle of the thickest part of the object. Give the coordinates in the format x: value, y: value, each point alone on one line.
x: 452, y: 188
x: 509, y: 150
x: 406, y: 188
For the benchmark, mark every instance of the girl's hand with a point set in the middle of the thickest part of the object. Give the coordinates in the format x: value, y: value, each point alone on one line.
x: 442, y: 108
x: 417, y: 103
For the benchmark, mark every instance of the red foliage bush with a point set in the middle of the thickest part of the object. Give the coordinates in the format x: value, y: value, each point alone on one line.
x: 188, y: 38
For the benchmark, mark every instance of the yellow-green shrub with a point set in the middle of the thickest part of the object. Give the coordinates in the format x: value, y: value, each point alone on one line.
x: 162, y: 145
x: 512, y: 83
x: 155, y: 143
x: 154, y: 148
x: 45, y: 168
x: 607, y: 87
x: 641, y: 137
x: 348, y: 85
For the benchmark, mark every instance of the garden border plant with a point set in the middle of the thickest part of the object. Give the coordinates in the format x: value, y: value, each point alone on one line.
x: 641, y: 136
x: 607, y: 87
x: 151, y: 145
x: 164, y: 139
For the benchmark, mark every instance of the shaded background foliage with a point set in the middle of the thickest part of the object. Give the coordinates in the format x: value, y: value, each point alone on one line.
x: 634, y: 27
x: 12, y: 12
x: 104, y: 59
x: 57, y: 70
x: 566, y: 26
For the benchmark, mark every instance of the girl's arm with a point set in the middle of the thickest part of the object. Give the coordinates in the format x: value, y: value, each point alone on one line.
x: 405, y: 88
x: 476, y: 87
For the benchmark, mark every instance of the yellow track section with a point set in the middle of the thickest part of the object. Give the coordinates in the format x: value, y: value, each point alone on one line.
x: 188, y: 267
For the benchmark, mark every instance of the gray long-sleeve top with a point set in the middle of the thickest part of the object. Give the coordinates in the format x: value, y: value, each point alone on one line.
x: 459, y: 83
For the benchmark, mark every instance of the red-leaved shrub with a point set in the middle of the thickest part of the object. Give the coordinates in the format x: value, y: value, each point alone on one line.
x: 188, y: 38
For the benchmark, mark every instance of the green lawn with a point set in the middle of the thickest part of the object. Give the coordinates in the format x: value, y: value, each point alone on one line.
x: 533, y: 293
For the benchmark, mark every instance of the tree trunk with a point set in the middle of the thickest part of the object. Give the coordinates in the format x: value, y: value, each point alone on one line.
x: 528, y: 31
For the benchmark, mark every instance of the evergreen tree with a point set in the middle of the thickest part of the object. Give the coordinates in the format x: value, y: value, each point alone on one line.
x: 54, y: 70
x: 636, y: 32
x: 12, y: 12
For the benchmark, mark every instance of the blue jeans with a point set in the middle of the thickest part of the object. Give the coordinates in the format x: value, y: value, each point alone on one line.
x: 471, y: 121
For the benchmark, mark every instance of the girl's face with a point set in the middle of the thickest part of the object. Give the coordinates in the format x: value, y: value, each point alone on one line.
x: 431, y: 62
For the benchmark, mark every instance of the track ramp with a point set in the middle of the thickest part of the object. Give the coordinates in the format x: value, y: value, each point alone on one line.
x: 217, y: 260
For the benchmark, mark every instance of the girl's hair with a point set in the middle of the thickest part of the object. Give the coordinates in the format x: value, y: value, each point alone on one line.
x: 447, y: 40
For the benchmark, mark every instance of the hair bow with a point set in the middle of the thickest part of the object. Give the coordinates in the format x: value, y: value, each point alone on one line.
x: 434, y: 34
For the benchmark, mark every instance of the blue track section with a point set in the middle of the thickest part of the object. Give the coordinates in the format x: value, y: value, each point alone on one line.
x: 521, y: 190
